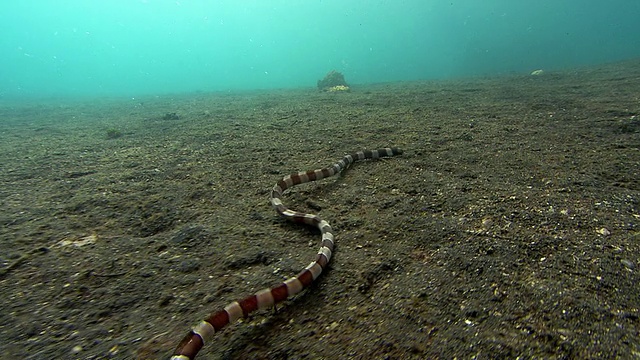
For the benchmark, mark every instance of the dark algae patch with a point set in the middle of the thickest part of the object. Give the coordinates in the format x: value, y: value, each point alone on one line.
x: 508, y: 228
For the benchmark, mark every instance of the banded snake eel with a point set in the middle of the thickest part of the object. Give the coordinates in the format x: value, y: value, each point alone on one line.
x: 193, y: 342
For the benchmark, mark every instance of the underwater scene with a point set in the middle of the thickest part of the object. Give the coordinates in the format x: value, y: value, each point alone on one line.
x: 319, y: 179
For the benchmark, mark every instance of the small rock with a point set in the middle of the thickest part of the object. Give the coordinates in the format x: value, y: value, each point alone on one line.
x: 188, y: 266
x: 628, y: 263
x: 604, y: 232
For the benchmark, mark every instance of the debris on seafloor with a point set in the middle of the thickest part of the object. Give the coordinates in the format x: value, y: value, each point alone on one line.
x: 333, y: 82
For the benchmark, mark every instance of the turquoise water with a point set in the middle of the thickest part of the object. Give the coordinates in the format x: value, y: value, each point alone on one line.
x: 135, y: 47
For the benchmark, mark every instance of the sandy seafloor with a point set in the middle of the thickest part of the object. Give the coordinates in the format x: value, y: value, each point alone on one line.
x: 509, y: 228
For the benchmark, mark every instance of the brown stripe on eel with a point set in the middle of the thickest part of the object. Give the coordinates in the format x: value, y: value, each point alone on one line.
x: 267, y: 298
